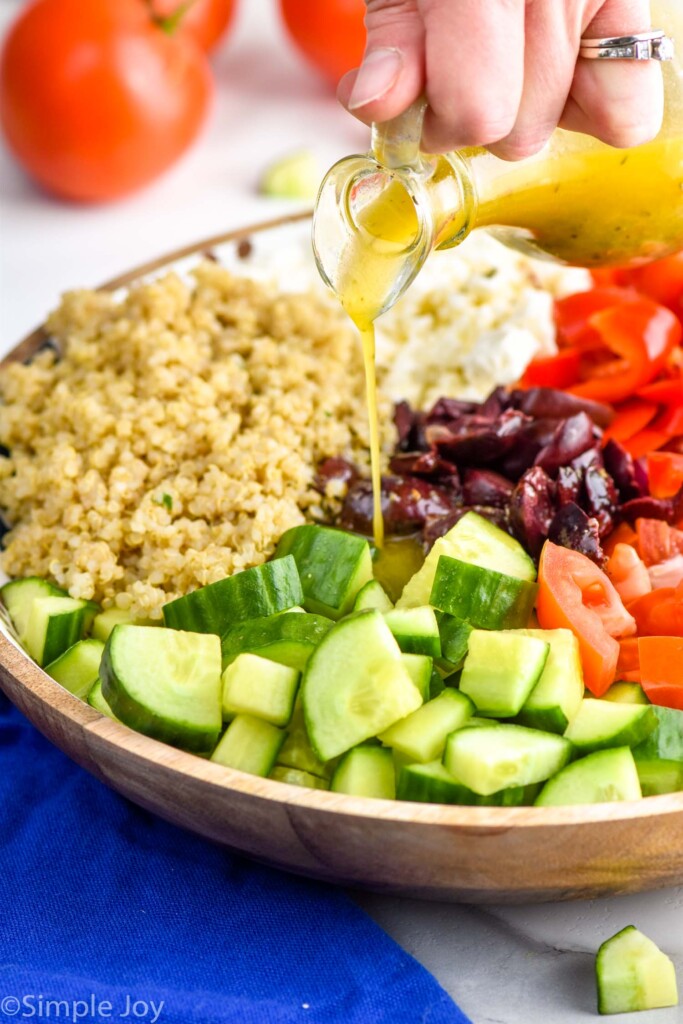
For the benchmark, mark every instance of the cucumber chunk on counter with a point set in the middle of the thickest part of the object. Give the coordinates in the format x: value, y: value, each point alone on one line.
x: 77, y: 670
x: 473, y: 539
x: 288, y: 637
x: 165, y: 683
x: 433, y: 784
x: 633, y: 974
x: 501, y: 670
x: 96, y: 700
x: 420, y: 669
x: 333, y: 566
x: 104, y: 622
x: 495, y: 757
x: 355, y: 685
x: 626, y: 693
x: 599, y: 724
x: 366, y: 771
x: 556, y: 697
x: 606, y: 776
x: 421, y: 736
x: 257, y: 686
x: 263, y: 590
x: 296, y: 777
x: 416, y: 630
x: 372, y: 595
x: 53, y: 625
x: 250, y: 745
x: 485, y: 598
x: 18, y: 596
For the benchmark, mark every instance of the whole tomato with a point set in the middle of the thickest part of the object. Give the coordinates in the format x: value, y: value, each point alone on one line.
x: 205, y: 21
x: 96, y: 99
x: 329, y: 33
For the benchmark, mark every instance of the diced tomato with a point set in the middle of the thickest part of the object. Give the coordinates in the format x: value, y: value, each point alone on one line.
x: 628, y: 665
x: 628, y: 573
x: 623, y: 534
x: 666, y: 574
x: 665, y: 473
x: 661, y: 669
x: 631, y: 417
x: 654, y: 540
x: 639, y: 336
x: 659, y: 613
x: 575, y: 594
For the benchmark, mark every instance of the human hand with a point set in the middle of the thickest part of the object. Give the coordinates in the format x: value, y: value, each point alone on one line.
x: 505, y: 73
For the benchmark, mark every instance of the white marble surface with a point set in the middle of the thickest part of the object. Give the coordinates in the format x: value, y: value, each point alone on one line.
x: 503, y: 965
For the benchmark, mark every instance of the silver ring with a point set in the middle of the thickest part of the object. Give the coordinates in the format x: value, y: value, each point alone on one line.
x: 654, y: 45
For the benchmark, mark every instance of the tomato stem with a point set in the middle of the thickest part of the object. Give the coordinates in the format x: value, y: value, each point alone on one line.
x: 169, y: 23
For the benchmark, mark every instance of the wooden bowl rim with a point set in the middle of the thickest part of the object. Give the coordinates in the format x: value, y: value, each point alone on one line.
x: 79, y: 714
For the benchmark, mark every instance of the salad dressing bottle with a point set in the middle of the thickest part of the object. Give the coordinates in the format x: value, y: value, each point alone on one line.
x: 577, y: 201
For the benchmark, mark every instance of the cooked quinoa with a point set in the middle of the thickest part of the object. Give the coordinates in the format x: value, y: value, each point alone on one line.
x: 176, y: 436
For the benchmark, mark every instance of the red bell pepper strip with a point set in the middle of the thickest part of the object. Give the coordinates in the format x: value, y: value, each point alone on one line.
x: 665, y: 392
x: 559, y: 371
x: 573, y: 313
x: 631, y: 417
x: 661, y: 669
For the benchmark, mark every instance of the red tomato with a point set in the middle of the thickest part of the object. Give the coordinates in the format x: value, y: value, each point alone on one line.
x: 96, y: 99
x: 573, y: 593
x: 661, y: 669
x: 660, y: 613
x: 664, y: 473
x: 205, y: 21
x: 329, y: 33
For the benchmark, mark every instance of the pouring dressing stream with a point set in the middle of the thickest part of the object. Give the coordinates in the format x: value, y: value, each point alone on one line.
x: 577, y: 201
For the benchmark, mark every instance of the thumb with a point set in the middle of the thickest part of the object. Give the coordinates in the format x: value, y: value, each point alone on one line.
x: 391, y: 76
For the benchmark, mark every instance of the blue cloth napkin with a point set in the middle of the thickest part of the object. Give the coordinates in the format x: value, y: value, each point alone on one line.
x: 108, y: 913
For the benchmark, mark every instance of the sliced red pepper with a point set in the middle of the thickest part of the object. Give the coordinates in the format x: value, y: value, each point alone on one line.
x: 661, y: 669
x: 665, y: 473
x: 573, y: 312
x: 639, y: 335
x: 661, y: 280
x: 664, y: 392
x: 659, y: 613
x: 559, y: 371
x: 573, y: 593
x: 631, y: 417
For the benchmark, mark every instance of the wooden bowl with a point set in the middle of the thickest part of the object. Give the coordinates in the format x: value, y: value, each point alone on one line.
x: 472, y: 854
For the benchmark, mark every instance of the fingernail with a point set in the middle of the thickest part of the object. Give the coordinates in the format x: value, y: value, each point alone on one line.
x: 378, y: 73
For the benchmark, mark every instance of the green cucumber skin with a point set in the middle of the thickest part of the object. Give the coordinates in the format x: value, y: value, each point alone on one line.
x: 140, y: 718
x: 659, y: 776
x: 605, y: 776
x: 372, y: 595
x: 288, y: 638
x: 77, y: 669
x: 455, y: 635
x: 634, y: 731
x: 626, y: 966
x: 63, y: 631
x: 427, y: 784
x: 366, y: 771
x: 330, y: 583
x: 484, y: 598
x: 665, y: 742
x: 415, y: 640
x: 18, y: 594
x: 254, y: 593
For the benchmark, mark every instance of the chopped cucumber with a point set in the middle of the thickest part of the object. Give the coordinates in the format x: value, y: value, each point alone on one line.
x: 483, y: 597
x: 78, y: 668
x: 295, y: 176
x: 288, y: 637
x: 264, y: 590
x: 626, y: 693
x: 53, y: 625
x: 297, y: 752
x: 473, y: 539
x: 433, y: 784
x: 416, y: 630
x: 18, y: 596
x: 633, y: 974
x: 333, y: 567
x: 422, y: 735
x: 603, y: 777
x: 601, y: 723
x: 436, y: 681
x: 501, y: 670
x: 496, y: 757
x: 355, y: 685
x: 165, y: 683
x: 96, y: 700
x: 250, y: 745
x: 658, y: 776
x: 659, y: 758
x: 257, y: 686
x: 104, y: 622
x: 297, y: 777
x: 555, y: 699
x: 419, y: 668
x: 366, y: 771
x: 372, y: 595
x: 455, y: 635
